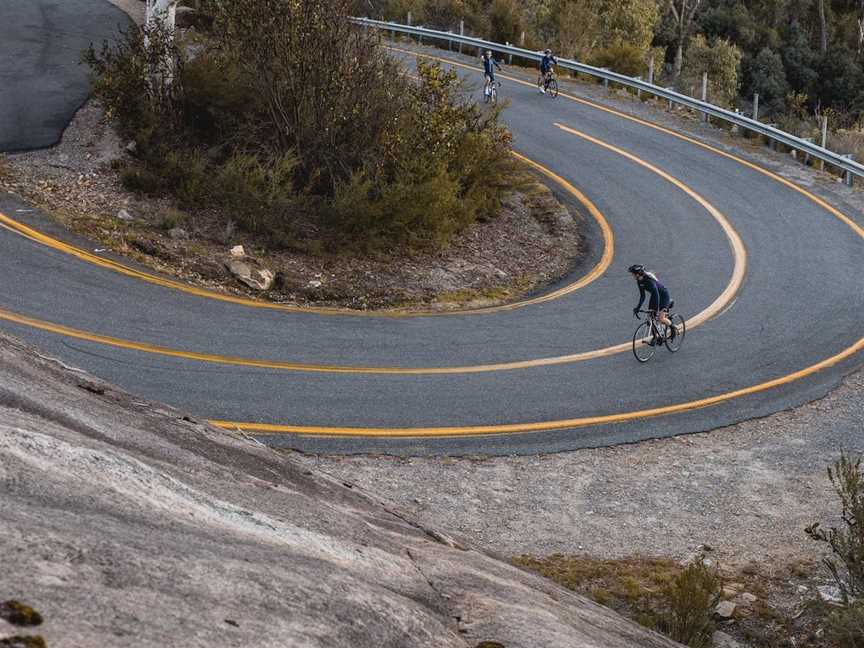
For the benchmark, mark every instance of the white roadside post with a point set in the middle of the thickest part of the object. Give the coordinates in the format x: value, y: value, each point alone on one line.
x: 824, y: 139
x: 166, y: 10
x: 705, y: 94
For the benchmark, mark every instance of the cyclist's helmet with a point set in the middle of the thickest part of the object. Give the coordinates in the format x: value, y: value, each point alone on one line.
x: 636, y: 268
x: 547, y: 51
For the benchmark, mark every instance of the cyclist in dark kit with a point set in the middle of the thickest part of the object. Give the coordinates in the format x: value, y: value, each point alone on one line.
x: 659, y: 298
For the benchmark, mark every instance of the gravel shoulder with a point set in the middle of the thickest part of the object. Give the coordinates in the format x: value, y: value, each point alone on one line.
x: 747, y: 490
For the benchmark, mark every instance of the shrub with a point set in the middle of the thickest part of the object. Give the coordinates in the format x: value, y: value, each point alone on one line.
x: 351, y: 152
x: 624, y: 58
x: 721, y: 60
x: 846, y: 541
x: 689, y: 602
x: 845, y: 627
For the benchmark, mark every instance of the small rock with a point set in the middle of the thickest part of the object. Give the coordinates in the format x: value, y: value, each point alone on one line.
x: 500, y: 273
x: 239, y: 269
x: 830, y: 594
x: 259, y: 279
x: 723, y: 640
x: 803, y: 589
x: 748, y: 598
x: 124, y: 215
x: 238, y: 252
x: 314, y: 284
x: 725, y: 609
x: 131, y: 148
x: 178, y: 233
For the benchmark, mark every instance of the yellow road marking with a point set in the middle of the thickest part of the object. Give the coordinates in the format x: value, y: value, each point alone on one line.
x: 602, y: 265
x: 642, y: 122
x: 739, y: 253
x: 739, y: 269
x: 264, y: 429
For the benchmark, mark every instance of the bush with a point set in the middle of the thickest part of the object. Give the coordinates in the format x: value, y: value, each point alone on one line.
x: 846, y: 541
x: 623, y: 58
x: 721, y: 60
x: 845, y: 627
x: 689, y: 602
x: 351, y: 152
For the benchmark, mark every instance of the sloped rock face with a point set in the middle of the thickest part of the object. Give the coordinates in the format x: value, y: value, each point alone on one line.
x: 124, y: 524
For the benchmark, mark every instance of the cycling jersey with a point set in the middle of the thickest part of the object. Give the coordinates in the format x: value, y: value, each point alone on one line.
x: 489, y: 65
x: 546, y: 63
x: 659, y: 296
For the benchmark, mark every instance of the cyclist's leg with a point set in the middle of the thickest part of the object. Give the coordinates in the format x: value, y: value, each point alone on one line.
x: 663, y: 310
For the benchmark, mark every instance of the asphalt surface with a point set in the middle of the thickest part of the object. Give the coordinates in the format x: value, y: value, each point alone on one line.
x: 800, y: 303
x: 42, y: 82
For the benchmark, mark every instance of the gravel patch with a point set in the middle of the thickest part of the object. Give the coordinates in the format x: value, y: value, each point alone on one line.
x: 747, y: 490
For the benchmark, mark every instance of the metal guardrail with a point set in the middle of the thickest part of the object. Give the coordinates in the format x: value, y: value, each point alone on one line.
x: 771, y: 133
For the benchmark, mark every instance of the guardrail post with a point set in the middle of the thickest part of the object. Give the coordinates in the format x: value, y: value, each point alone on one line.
x: 824, y: 139
x: 794, y: 152
x: 705, y: 94
x: 848, y: 176
x: 670, y: 101
x: 772, y: 143
x: 461, y: 32
x: 639, y: 90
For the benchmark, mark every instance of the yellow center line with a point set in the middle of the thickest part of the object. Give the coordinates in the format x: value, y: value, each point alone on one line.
x: 642, y: 122
x: 599, y: 268
x: 739, y: 270
x: 264, y: 429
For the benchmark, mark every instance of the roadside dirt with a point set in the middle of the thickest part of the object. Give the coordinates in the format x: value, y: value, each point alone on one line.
x: 533, y: 242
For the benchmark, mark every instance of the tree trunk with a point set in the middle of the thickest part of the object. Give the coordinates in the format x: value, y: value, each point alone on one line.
x: 823, y: 24
x: 679, y: 57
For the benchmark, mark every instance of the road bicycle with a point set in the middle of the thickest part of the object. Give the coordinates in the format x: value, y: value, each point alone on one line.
x: 490, y: 94
x: 651, y: 333
x: 550, y: 84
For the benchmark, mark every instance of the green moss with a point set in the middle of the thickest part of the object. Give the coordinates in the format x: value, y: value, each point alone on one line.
x: 19, y: 614
x: 18, y: 641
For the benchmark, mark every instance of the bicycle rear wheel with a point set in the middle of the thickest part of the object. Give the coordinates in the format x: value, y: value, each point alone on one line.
x: 552, y: 89
x: 641, y: 349
x: 675, y: 335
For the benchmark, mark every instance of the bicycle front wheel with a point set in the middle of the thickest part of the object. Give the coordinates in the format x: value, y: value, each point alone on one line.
x: 641, y: 349
x: 552, y: 90
x: 494, y: 95
x: 675, y: 335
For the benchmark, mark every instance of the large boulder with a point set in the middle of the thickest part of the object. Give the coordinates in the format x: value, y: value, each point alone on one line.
x: 127, y: 523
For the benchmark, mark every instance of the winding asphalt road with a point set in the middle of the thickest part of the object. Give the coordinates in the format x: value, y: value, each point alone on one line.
x: 768, y: 273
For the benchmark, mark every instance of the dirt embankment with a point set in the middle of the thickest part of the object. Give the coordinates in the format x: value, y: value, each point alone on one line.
x: 533, y: 242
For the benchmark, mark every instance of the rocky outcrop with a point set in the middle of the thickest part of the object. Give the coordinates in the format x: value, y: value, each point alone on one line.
x: 127, y: 523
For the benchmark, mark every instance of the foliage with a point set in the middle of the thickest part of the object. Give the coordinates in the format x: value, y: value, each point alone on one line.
x: 689, y: 604
x: 339, y: 144
x: 625, y: 58
x: 766, y: 75
x: 505, y: 21
x: 721, y: 60
x: 846, y: 541
x: 845, y: 626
